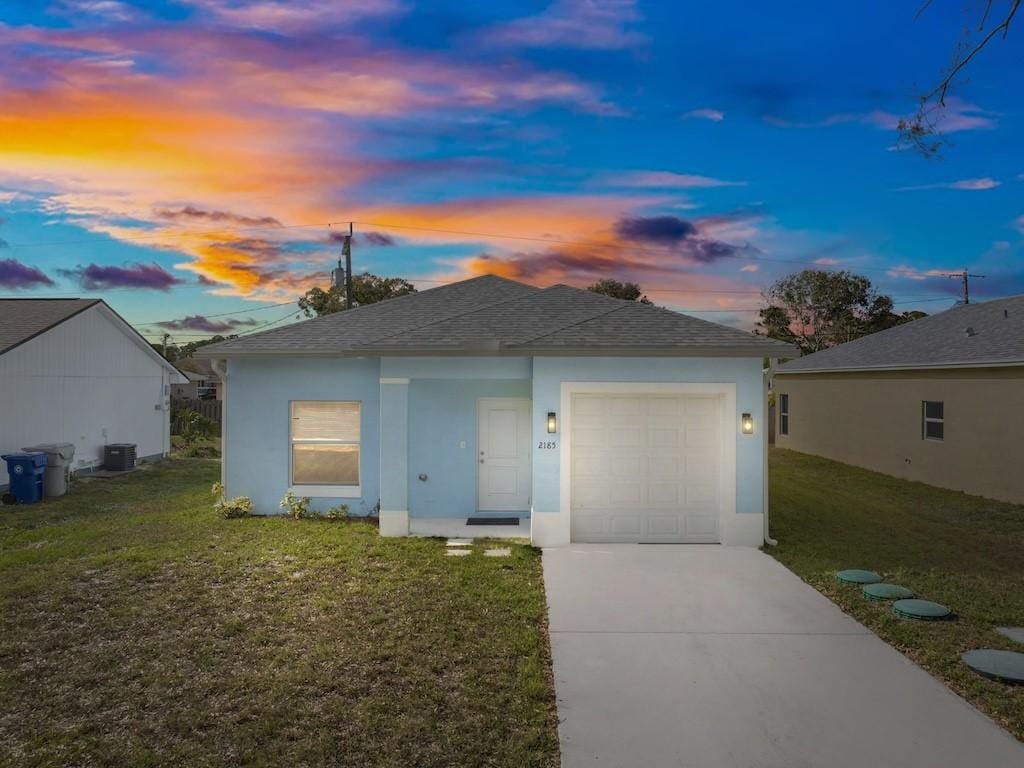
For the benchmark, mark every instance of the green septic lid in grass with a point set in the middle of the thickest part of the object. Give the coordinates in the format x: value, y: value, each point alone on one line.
x: 887, y: 592
x: 925, y: 610
x: 1004, y: 666
x: 857, y: 576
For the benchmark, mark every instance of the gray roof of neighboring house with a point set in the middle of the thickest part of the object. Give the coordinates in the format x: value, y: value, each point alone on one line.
x: 197, y: 368
x: 995, y: 338
x: 24, y: 319
x: 493, y: 316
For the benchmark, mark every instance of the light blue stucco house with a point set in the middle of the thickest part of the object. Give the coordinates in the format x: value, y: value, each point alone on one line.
x: 558, y: 413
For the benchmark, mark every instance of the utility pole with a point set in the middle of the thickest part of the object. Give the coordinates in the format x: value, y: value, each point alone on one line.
x: 964, y: 278
x: 166, y: 337
x: 344, y: 273
x: 348, y: 268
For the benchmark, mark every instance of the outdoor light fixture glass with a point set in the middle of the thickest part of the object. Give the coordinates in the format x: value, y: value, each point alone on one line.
x: 747, y: 424
x: 552, y: 423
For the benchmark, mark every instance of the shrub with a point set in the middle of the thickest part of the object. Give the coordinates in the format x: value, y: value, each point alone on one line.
x: 240, y: 506
x: 297, y: 506
x: 339, y: 512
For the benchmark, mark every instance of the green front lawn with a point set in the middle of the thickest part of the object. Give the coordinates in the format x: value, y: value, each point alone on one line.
x: 962, y: 551
x: 136, y: 628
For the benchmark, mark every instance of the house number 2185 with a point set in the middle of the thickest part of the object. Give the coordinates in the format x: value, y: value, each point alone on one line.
x: 546, y: 444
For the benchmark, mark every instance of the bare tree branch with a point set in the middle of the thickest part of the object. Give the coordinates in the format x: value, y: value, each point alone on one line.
x: 921, y: 131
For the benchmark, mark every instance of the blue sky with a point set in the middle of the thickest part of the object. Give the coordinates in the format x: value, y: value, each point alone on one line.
x: 185, y: 159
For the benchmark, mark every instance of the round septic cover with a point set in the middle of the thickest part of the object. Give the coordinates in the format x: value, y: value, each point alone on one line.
x: 887, y: 592
x: 1005, y: 666
x: 857, y: 576
x: 920, y: 609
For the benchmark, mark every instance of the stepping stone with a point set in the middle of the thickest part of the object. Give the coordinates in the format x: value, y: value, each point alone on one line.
x: 460, y: 542
x: 924, y: 610
x: 501, y: 552
x: 887, y: 592
x: 1014, y: 633
x: 857, y: 576
x: 459, y: 552
x: 1004, y: 666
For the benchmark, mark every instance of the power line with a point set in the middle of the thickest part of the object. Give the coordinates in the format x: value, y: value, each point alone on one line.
x: 224, y: 314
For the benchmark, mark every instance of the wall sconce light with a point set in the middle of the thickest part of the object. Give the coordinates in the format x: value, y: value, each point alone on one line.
x: 552, y: 423
x: 747, y: 424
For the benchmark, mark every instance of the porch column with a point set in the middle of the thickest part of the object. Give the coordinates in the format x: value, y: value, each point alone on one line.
x: 394, y: 457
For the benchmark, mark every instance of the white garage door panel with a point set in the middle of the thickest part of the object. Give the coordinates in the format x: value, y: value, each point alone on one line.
x: 645, y: 468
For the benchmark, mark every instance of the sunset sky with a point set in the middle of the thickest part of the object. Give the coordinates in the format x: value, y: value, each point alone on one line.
x: 192, y: 159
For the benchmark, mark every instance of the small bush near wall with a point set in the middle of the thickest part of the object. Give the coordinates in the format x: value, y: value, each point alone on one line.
x: 297, y: 507
x: 240, y: 506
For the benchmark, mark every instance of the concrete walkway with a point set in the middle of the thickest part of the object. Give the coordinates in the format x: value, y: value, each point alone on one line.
x: 707, y: 657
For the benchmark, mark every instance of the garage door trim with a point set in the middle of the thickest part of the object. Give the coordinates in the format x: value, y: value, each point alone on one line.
x: 729, y: 432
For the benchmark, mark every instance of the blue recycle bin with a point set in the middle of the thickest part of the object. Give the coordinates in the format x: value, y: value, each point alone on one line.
x: 26, y: 472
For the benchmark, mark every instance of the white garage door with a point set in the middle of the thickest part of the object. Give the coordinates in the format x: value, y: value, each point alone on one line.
x: 645, y: 468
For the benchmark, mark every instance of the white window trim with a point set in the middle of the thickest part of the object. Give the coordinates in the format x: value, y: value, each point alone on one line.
x: 320, y: 491
x: 328, y: 491
x: 926, y: 420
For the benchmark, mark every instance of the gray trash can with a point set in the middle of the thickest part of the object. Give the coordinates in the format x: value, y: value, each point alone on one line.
x: 58, y: 467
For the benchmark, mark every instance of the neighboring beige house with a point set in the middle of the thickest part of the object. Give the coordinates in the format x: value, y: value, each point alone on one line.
x: 203, y: 382
x: 940, y: 400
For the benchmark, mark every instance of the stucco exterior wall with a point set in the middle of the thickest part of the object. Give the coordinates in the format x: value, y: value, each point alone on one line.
x: 873, y: 420
x: 256, y: 424
x: 443, y: 442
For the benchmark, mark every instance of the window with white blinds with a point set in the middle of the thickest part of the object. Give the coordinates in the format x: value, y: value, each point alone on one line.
x: 325, y: 443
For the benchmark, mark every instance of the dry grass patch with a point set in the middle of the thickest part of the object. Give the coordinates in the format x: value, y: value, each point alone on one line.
x: 139, y: 629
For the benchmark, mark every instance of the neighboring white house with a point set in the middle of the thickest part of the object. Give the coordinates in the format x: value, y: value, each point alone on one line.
x: 72, y: 370
x: 559, y: 413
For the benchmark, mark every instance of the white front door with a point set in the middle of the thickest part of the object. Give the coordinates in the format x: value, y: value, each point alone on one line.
x: 503, y: 454
x: 645, y: 468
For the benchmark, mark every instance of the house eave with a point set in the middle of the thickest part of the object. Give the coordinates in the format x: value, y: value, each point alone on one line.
x: 957, y: 365
x: 511, y: 351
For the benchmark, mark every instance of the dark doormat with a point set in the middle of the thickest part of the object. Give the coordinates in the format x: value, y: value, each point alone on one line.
x: 492, y: 521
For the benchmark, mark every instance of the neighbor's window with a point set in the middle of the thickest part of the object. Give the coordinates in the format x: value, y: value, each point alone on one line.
x: 783, y: 414
x: 325, y: 442
x: 932, y: 420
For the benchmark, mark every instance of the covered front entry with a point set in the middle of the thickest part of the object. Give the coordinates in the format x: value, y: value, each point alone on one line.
x: 646, y: 467
x: 503, y: 454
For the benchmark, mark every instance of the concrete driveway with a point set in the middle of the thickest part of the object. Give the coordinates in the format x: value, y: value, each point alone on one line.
x: 708, y: 656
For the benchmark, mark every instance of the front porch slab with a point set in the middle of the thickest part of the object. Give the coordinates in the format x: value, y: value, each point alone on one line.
x: 456, y: 528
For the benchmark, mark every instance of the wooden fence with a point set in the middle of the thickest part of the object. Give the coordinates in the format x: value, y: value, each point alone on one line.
x: 211, y: 409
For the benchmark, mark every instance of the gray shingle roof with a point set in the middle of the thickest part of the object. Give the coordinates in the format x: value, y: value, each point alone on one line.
x: 996, y: 337
x: 24, y: 319
x: 493, y: 316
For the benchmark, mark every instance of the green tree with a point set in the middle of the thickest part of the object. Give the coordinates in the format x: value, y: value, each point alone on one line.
x: 815, y: 309
x: 617, y: 290
x: 366, y: 289
x: 187, y: 350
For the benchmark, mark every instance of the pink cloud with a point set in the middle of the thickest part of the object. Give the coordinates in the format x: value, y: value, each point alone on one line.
x: 971, y: 185
x: 913, y: 273
x: 589, y: 24
x: 826, y: 261
x: 958, y: 115
x: 705, y: 113
x: 289, y: 16
x: 667, y: 180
